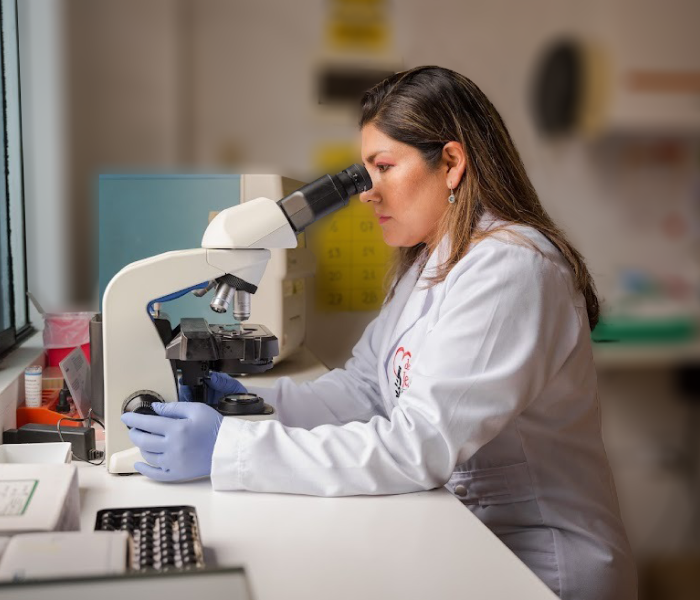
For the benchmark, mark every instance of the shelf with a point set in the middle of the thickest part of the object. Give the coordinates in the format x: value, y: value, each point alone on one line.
x: 617, y: 355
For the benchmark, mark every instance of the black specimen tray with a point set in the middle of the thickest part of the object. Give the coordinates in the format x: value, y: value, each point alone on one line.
x: 165, y: 538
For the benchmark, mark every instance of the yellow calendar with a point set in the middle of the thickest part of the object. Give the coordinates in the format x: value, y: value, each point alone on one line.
x: 352, y: 258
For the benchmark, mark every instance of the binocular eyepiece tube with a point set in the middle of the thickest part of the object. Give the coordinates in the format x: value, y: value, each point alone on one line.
x: 323, y: 196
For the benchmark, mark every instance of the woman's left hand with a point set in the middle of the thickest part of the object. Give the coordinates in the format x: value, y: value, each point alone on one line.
x: 217, y: 386
x: 178, y: 442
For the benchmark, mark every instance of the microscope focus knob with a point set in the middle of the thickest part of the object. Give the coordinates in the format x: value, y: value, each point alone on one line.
x: 140, y: 402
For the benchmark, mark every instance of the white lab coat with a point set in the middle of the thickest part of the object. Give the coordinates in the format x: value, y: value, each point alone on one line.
x: 484, y: 383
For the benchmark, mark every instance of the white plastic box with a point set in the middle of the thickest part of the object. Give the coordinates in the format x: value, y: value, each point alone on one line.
x: 50, y: 452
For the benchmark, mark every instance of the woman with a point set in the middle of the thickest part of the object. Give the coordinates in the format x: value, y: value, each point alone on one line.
x: 477, y: 374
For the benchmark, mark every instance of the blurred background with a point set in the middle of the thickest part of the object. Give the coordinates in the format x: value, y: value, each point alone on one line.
x: 602, y: 99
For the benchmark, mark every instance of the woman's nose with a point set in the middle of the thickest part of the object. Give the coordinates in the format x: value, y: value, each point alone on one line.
x: 369, y: 196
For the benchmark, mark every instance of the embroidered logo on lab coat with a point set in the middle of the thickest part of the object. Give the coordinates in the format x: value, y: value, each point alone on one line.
x: 402, y: 367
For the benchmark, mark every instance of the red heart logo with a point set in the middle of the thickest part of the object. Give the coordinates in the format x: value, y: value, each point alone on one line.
x: 402, y: 359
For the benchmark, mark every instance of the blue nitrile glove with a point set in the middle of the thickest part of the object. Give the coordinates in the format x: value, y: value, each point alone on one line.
x: 218, y: 385
x: 178, y: 443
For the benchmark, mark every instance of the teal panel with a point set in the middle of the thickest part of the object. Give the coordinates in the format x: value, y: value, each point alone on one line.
x: 144, y: 215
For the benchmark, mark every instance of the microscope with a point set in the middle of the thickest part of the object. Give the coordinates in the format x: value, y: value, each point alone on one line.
x: 143, y: 356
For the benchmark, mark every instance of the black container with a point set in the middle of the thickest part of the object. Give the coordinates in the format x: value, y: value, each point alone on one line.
x: 97, y: 377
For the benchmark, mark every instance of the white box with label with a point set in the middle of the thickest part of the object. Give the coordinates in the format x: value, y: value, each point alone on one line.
x: 38, y: 497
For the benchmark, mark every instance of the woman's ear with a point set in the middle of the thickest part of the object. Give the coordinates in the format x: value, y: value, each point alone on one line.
x: 455, y: 160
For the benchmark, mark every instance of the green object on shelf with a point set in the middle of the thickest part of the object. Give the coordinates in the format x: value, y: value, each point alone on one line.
x: 628, y: 330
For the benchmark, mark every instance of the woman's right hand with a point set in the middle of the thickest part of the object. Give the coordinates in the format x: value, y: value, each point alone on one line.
x: 218, y: 385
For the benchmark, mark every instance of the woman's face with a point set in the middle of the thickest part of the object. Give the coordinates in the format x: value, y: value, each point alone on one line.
x: 408, y: 197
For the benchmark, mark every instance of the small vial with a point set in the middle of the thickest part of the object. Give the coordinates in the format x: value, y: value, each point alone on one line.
x: 32, y: 386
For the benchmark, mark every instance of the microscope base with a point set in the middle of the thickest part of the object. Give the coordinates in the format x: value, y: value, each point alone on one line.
x: 121, y: 463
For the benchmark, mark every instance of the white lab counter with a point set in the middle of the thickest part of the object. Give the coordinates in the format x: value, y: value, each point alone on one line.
x: 419, y: 545
x: 425, y: 544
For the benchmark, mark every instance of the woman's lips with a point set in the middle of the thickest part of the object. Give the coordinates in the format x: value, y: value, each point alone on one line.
x: 383, y: 219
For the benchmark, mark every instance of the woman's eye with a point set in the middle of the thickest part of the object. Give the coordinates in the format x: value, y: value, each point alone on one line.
x: 382, y: 168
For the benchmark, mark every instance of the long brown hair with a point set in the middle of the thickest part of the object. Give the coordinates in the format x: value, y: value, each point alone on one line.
x: 427, y: 107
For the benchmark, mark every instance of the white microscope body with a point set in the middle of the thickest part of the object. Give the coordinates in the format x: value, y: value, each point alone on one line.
x: 234, y: 253
x: 236, y: 242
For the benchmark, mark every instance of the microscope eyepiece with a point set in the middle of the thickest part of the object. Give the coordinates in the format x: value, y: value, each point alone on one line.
x: 321, y: 197
x: 355, y: 179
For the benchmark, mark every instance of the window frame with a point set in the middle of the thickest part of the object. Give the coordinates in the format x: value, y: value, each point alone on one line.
x: 13, y: 335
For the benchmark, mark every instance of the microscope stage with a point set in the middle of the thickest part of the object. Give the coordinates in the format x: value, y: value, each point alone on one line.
x: 232, y: 349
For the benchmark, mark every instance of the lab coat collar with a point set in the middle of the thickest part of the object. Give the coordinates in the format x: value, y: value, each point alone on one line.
x: 408, y: 305
x: 402, y: 311
x: 436, y: 258
x: 442, y: 251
